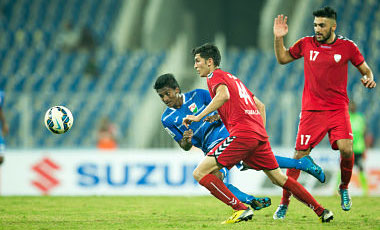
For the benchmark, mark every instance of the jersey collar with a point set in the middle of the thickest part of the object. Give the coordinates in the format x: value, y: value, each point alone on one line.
x: 325, y: 44
x: 210, y: 75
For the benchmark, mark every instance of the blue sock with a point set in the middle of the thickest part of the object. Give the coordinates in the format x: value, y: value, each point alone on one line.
x: 290, y: 163
x: 243, y: 197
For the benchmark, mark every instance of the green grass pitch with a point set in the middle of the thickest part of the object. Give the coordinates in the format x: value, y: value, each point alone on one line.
x: 205, y: 212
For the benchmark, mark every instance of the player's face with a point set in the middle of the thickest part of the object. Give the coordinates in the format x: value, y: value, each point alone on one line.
x: 323, y: 28
x: 201, y: 65
x: 171, y: 97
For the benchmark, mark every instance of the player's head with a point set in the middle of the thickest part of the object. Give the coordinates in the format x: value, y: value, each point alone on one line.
x: 324, y: 23
x: 168, y: 89
x: 206, y: 59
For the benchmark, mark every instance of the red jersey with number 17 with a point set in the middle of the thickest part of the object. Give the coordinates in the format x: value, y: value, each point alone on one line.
x: 239, y: 114
x: 325, y: 70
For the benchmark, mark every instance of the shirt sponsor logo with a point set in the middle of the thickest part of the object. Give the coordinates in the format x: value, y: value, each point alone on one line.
x: 337, y: 57
x: 193, y: 108
x: 327, y: 47
x: 252, y: 112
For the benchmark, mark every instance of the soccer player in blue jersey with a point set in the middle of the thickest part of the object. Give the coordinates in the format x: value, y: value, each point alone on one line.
x: 205, y: 135
x: 4, y: 127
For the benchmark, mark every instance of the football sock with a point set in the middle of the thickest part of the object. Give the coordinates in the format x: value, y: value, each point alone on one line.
x: 285, y: 162
x: 243, y: 197
x: 303, y: 195
x: 220, y: 191
x: 346, y: 165
x: 291, y: 173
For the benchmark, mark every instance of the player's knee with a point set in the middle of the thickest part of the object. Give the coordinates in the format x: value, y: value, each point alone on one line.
x: 301, y: 153
x: 276, y: 182
x: 346, y: 151
x: 198, y: 175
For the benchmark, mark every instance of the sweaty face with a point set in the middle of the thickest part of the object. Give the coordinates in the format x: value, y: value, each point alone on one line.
x: 171, y: 97
x: 201, y: 66
x: 323, y: 28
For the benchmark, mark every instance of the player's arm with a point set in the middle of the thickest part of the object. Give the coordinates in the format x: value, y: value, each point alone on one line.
x: 261, y: 107
x: 280, y: 29
x: 222, y: 95
x: 367, y: 80
x: 5, y: 128
x: 185, y: 143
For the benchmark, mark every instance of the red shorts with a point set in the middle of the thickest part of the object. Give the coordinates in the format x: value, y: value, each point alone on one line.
x: 257, y: 154
x: 314, y: 125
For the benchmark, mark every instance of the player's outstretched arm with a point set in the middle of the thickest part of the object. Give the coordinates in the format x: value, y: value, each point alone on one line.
x: 280, y: 29
x: 367, y: 80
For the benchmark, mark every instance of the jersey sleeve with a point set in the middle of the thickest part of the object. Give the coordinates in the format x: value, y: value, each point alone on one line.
x: 296, y: 50
x: 172, y: 130
x: 215, y: 81
x: 356, y: 57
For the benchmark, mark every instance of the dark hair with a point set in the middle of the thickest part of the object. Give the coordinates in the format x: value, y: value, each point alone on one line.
x: 326, y: 12
x: 207, y: 51
x: 166, y: 80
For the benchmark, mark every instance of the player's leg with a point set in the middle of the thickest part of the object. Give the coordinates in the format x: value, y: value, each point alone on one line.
x: 311, y: 131
x: 204, y: 174
x: 346, y: 165
x: 305, y: 164
x: 340, y: 136
x: 288, y: 183
x: 256, y: 203
x: 280, y: 212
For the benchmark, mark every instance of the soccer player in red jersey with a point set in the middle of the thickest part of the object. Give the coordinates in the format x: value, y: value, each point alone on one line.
x: 242, y: 113
x: 324, y: 100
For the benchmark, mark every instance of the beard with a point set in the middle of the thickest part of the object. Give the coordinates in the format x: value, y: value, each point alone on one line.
x: 325, y: 38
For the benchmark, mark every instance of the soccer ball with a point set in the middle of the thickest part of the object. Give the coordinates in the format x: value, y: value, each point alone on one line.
x: 58, y: 119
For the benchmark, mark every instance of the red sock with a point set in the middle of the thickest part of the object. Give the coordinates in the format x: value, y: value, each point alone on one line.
x: 293, y: 173
x: 220, y: 191
x: 346, y: 165
x: 303, y: 195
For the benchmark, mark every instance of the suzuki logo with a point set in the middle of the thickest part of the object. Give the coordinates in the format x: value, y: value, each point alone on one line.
x: 46, y: 181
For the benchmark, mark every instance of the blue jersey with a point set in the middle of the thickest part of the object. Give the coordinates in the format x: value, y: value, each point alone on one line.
x: 206, y: 135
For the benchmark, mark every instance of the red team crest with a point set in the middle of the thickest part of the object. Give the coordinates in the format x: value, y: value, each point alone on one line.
x: 337, y: 57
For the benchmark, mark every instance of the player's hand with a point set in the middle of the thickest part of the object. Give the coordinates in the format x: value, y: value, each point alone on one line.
x: 212, y: 118
x: 189, y: 119
x: 280, y: 28
x: 187, y: 135
x: 367, y: 82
